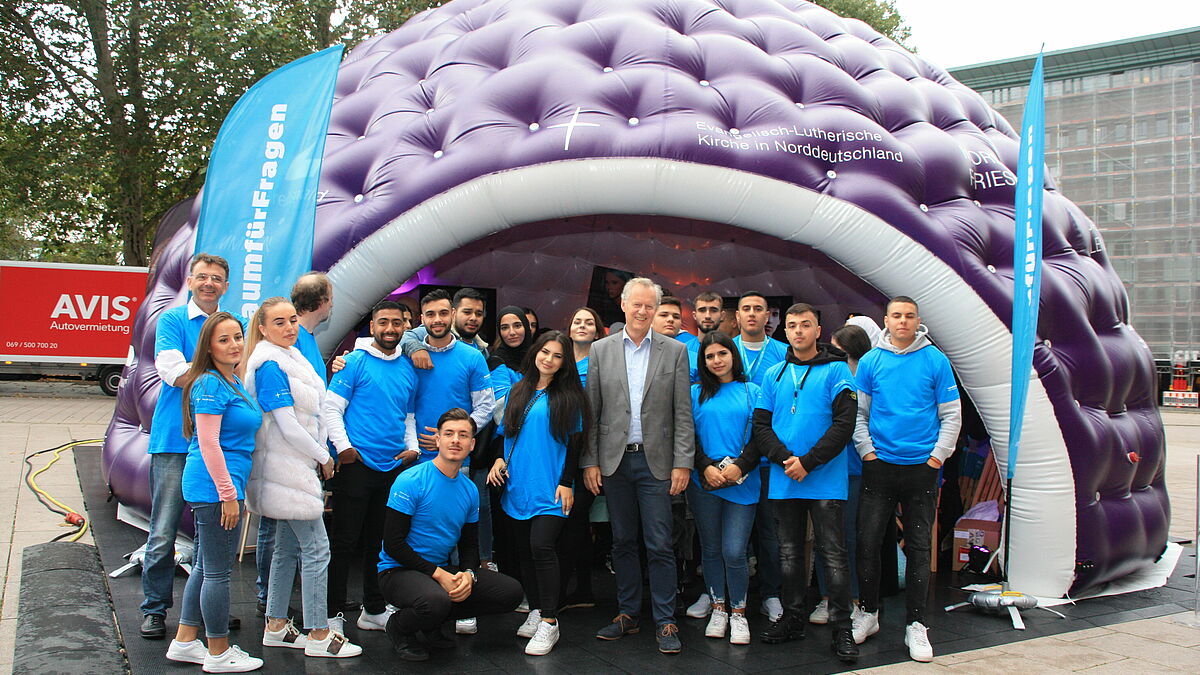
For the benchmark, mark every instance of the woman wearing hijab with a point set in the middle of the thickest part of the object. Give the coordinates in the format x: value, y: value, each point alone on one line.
x: 513, y: 337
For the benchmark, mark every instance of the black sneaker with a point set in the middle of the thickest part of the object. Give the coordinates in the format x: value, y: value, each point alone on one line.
x: 579, y: 600
x: 154, y: 627
x: 787, y: 628
x: 261, y: 609
x: 621, y: 626
x: 843, y: 645
x: 442, y: 638
x: 405, y: 645
x: 235, y: 623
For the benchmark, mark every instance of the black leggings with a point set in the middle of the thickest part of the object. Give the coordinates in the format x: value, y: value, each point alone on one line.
x: 423, y: 604
x: 575, y: 545
x: 536, y: 539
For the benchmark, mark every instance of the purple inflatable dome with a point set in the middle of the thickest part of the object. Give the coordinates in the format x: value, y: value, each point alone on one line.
x: 726, y: 144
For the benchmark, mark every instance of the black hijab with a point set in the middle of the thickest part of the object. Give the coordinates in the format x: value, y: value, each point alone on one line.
x: 502, y: 353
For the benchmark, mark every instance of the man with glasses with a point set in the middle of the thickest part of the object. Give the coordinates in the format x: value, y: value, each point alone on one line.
x: 174, y: 343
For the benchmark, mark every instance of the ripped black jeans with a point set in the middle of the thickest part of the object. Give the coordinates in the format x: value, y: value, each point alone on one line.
x: 914, y: 489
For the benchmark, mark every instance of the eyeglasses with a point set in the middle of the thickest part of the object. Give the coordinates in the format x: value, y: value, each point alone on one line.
x: 215, y: 278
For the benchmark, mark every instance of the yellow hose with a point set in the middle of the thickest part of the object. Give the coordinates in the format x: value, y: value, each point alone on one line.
x: 34, y: 486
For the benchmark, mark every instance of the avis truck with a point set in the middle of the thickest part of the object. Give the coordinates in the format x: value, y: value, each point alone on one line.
x: 65, y: 319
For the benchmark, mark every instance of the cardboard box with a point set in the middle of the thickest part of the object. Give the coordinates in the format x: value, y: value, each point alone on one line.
x: 968, y: 533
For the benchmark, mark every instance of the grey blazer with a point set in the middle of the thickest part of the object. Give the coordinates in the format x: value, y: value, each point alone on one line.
x: 667, y: 428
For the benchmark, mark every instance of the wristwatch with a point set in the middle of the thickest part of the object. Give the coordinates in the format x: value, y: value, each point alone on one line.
x: 473, y: 577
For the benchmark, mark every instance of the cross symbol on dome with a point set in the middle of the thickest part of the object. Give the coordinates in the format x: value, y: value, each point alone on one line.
x: 571, y: 127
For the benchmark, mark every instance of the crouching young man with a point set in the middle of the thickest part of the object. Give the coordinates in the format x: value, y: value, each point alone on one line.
x: 431, y: 510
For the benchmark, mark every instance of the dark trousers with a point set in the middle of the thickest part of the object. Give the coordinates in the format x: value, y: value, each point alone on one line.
x: 537, y: 539
x: 634, y: 495
x: 575, y: 544
x: 766, y: 541
x: 423, y: 605
x: 791, y: 524
x: 914, y: 488
x: 360, y: 497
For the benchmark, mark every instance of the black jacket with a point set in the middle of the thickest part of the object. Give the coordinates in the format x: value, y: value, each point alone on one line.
x: 832, y: 442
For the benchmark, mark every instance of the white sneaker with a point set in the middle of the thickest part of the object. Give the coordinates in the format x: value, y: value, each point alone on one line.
x: 234, y: 660
x: 820, y: 613
x: 334, y: 646
x: 492, y: 566
x: 187, y: 652
x: 544, y: 639
x: 916, y: 638
x: 701, y: 607
x: 718, y: 622
x: 524, y: 606
x: 288, y: 636
x: 337, y: 623
x: 739, y: 629
x: 864, y: 626
x: 466, y: 626
x: 368, y: 621
x: 530, y: 627
x: 772, y: 608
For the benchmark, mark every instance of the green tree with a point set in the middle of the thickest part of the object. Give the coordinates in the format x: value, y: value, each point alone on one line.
x: 108, y: 107
x: 878, y: 14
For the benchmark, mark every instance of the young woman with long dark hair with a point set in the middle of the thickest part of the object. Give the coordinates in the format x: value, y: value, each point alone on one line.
x: 723, y: 407
x: 855, y: 340
x: 285, y: 483
x: 221, y: 418
x: 575, y: 546
x: 544, y: 430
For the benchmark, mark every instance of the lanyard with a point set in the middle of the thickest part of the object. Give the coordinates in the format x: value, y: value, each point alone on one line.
x: 798, y: 384
x: 750, y: 369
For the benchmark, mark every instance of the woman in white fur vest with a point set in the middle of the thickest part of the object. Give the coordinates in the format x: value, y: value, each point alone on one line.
x: 290, y: 459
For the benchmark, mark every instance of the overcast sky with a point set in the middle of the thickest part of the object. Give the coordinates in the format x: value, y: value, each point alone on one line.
x: 962, y: 32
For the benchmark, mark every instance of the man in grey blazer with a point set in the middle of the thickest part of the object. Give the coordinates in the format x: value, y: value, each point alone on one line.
x: 641, y: 454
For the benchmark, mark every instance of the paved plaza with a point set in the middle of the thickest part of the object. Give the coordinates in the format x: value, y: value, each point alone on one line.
x: 38, y: 415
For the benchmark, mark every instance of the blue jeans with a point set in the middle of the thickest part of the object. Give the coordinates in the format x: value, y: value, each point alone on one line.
x: 479, y: 478
x: 264, y: 548
x: 635, y: 494
x: 166, y: 508
x: 770, y: 574
x: 724, y: 529
x: 306, y: 541
x: 206, y: 594
x: 851, y: 530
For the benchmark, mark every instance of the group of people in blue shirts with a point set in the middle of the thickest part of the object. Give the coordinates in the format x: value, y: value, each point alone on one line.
x: 419, y: 426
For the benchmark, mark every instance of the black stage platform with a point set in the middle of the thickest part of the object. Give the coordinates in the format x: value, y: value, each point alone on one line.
x: 496, y: 649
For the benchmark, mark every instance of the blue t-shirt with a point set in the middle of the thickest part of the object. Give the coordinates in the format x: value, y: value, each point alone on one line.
x: 582, y: 365
x: 535, y: 463
x: 723, y: 427
x: 800, y: 400
x: 272, y: 387
x: 693, y: 349
x: 439, y: 506
x: 174, y: 331
x: 381, y: 394
x: 456, y: 373
x: 241, y: 417
x: 756, y: 363
x: 503, y: 378
x: 307, y: 344
x: 905, y: 391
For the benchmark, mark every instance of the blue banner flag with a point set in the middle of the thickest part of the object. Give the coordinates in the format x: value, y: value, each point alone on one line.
x: 260, y: 194
x: 1027, y: 254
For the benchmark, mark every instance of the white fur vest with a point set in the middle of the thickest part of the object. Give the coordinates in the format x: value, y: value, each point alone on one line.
x: 284, y: 483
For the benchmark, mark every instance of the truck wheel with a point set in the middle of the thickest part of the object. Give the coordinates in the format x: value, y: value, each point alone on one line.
x: 110, y: 379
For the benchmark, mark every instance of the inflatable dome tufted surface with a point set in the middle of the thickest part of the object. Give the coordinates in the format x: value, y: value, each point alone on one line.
x: 772, y: 116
